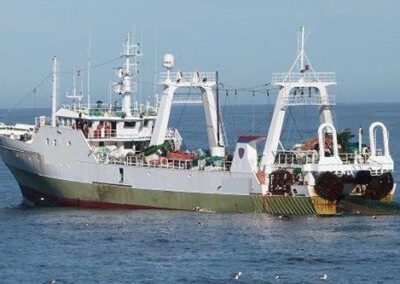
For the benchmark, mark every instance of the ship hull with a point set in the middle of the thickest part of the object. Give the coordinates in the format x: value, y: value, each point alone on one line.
x: 63, y: 175
x: 40, y: 190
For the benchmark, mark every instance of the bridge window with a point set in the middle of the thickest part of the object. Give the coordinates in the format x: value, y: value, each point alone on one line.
x: 128, y: 145
x: 55, y: 142
x: 129, y: 124
x: 47, y: 141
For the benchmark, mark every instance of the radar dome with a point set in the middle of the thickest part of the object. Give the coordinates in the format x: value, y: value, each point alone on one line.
x: 168, y: 61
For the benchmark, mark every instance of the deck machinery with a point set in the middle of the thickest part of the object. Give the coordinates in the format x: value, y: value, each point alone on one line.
x: 324, y: 172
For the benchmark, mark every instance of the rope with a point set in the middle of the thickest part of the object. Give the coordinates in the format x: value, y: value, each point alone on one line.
x: 32, y: 92
x: 295, y: 124
x: 252, y: 122
x: 183, y: 110
x: 92, y: 67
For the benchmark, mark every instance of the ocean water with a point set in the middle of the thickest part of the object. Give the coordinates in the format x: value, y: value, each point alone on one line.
x: 71, y: 245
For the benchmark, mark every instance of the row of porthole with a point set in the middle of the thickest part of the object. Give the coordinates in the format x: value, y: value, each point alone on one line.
x: 68, y: 165
x: 29, y: 158
x: 55, y: 142
x: 38, y: 160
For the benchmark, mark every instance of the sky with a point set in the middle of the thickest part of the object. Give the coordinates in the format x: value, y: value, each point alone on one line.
x: 246, y: 41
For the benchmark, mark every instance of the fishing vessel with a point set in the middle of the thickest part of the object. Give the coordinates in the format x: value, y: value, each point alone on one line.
x: 128, y: 158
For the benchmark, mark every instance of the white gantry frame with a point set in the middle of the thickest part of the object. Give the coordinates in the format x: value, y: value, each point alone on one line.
x: 305, y: 77
x: 205, y: 81
x: 385, y: 158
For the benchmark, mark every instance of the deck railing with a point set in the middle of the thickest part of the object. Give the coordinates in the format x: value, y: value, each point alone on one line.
x: 162, y: 162
x: 307, y: 100
x: 42, y: 121
x: 295, y: 158
x: 194, y: 77
x: 294, y: 77
x: 106, y: 109
x: 171, y: 134
x: 112, y: 134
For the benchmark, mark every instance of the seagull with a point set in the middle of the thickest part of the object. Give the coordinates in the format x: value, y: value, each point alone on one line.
x: 278, y: 277
x: 284, y: 217
x: 59, y: 223
x: 199, y: 223
x: 237, y: 275
x: 51, y: 281
x: 324, y: 277
x: 374, y: 217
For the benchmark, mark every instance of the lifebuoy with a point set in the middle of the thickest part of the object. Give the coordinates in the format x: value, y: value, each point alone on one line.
x: 163, y: 160
x: 73, y: 126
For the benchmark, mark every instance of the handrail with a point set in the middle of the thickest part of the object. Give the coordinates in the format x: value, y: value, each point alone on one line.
x: 307, y: 100
x: 294, y: 77
x: 312, y: 157
x: 161, y: 162
x: 194, y: 77
x: 113, y: 134
x: 97, y: 110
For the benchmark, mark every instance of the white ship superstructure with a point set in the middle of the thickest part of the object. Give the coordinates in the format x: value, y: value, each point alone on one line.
x: 98, y: 156
x: 124, y: 129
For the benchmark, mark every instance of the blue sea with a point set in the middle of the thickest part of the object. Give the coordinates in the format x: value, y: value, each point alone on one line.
x: 72, y: 245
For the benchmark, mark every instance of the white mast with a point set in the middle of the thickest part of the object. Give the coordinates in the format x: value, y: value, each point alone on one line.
x: 54, y: 92
x: 74, y: 80
x: 301, y: 47
x: 128, y: 86
x: 88, y: 72
x: 110, y: 95
x: 155, y: 73
x: 74, y: 94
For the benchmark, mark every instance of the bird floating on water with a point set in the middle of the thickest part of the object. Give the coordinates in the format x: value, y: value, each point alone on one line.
x: 237, y: 275
x: 324, y: 277
x: 277, y: 277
